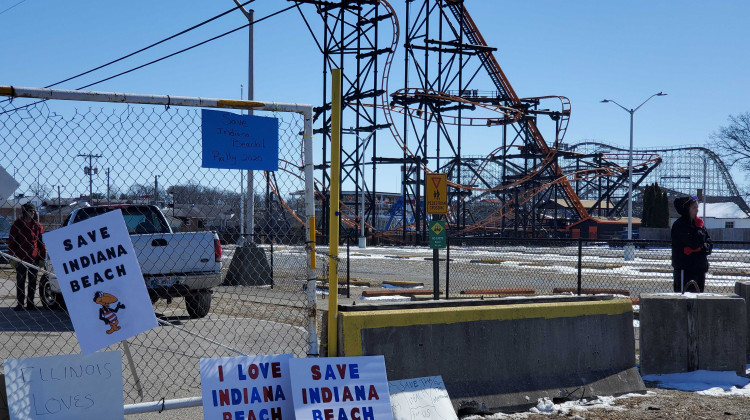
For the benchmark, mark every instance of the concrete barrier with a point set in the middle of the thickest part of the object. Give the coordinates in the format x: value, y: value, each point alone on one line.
x: 742, y: 288
x: 504, y: 354
x: 683, y: 333
x: 249, y: 267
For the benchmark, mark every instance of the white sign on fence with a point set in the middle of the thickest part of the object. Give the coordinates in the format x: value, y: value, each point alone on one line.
x: 244, y: 388
x: 65, y: 387
x: 8, y: 185
x: 101, y: 280
x: 346, y: 388
x: 421, y: 398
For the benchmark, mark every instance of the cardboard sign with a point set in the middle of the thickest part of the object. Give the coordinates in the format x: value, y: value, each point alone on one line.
x: 232, y: 141
x: 245, y: 388
x: 436, y: 193
x: 341, y: 388
x: 65, y: 387
x: 421, y: 398
x: 8, y: 185
x: 101, y: 280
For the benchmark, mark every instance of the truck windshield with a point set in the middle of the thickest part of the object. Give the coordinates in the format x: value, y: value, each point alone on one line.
x: 138, y: 219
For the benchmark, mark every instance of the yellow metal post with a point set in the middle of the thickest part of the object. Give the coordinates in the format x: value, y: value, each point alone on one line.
x: 333, y: 221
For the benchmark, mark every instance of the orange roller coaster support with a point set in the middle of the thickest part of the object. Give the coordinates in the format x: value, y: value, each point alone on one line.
x: 497, y: 75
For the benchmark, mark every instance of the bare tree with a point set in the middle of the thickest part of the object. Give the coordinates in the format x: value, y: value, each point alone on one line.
x: 42, y: 191
x: 136, y: 191
x: 732, y: 142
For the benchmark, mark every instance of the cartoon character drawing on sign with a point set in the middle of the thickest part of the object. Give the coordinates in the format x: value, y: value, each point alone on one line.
x: 107, y: 314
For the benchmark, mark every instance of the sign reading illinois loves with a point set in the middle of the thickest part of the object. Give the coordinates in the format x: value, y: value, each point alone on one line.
x: 340, y: 388
x: 69, y: 386
x: 247, y: 388
x: 101, y: 280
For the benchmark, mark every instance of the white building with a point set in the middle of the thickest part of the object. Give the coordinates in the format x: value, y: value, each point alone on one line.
x: 726, y: 215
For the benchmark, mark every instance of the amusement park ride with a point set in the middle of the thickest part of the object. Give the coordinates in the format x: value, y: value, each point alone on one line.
x: 525, y: 184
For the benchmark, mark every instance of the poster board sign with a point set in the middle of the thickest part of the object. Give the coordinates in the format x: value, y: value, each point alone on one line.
x: 8, y: 185
x: 436, y: 193
x: 233, y: 141
x: 101, y: 280
x: 421, y: 398
x: 65, y: 387
x: 340, y: 388
x: 250, y: 387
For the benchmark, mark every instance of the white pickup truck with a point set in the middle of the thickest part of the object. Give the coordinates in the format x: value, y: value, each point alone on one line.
x: 186, y: 264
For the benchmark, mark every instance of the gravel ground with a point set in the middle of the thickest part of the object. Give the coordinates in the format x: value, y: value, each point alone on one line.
x: 657, y: 404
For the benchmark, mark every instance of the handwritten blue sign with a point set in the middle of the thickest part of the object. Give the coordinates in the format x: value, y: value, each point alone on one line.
x: 232, y: 141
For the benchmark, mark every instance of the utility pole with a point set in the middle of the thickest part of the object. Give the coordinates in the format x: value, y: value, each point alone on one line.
x: 250, y: 208
x: 156, y: 190
x: 108, y: 196
x: 90, y: 171
x: 59, y: 206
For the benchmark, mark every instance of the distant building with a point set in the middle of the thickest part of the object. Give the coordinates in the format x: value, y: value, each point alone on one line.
x: 724, y: 215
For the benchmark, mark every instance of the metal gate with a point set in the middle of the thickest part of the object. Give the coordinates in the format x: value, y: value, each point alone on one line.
x: 121, y: 149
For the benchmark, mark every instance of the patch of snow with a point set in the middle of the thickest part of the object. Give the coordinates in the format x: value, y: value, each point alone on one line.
x: 706, y: 382
x: 386, y: 298
x: 689, y: 295
x: 568, y: 408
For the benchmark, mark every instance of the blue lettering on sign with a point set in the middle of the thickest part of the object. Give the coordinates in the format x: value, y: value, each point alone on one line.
x: 232, y: 141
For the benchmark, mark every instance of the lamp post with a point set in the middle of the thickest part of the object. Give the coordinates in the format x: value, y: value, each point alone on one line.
x: 629, y: 249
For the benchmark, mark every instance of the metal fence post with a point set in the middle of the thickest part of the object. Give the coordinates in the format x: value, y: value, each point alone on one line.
x: 580, y: 263
x: 348, y: 267
x: 447, y: 268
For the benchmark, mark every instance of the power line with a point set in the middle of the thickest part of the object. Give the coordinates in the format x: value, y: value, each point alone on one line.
x: 165, y: 57
x: 12, y: 6
x: 144, y: 48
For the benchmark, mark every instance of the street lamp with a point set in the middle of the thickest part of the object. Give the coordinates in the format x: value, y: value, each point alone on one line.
x: 629, y: 249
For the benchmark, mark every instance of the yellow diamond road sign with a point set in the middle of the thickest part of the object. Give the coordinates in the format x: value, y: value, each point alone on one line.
x: 437, y: 228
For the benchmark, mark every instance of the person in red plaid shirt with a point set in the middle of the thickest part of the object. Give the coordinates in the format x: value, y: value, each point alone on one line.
x: 25, y: 243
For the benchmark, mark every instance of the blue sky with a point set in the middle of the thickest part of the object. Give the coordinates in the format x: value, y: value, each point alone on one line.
x: 585, y: 50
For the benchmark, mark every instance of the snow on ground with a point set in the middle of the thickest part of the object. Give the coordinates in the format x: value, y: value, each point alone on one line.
x: 387, y: 298
x: 546, y: 406
x: 704, y: 382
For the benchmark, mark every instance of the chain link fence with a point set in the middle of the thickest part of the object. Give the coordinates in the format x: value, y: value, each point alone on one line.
x: 70, y: 155
x: 523, y: 266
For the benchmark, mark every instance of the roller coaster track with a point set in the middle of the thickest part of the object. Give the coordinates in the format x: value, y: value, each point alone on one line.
x: 398, y: 103
x: 723, y: 170
x: 503, y: 85
x: 585, y: 174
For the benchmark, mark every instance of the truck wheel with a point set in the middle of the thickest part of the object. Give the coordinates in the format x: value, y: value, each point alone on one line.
x: 198, y: 305
x: 50, y: 299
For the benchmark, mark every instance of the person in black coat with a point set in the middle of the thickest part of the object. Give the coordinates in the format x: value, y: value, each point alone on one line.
x: 691, y: 246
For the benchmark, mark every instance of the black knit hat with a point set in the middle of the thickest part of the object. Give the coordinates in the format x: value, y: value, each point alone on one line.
x: 682, y: 204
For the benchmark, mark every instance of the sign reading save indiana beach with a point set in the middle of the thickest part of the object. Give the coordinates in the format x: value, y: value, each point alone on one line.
x: 101, y: 280
x: 247, y: 388
x: 340, y: 388
x: 70, y: 386
x: 232, y: 141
